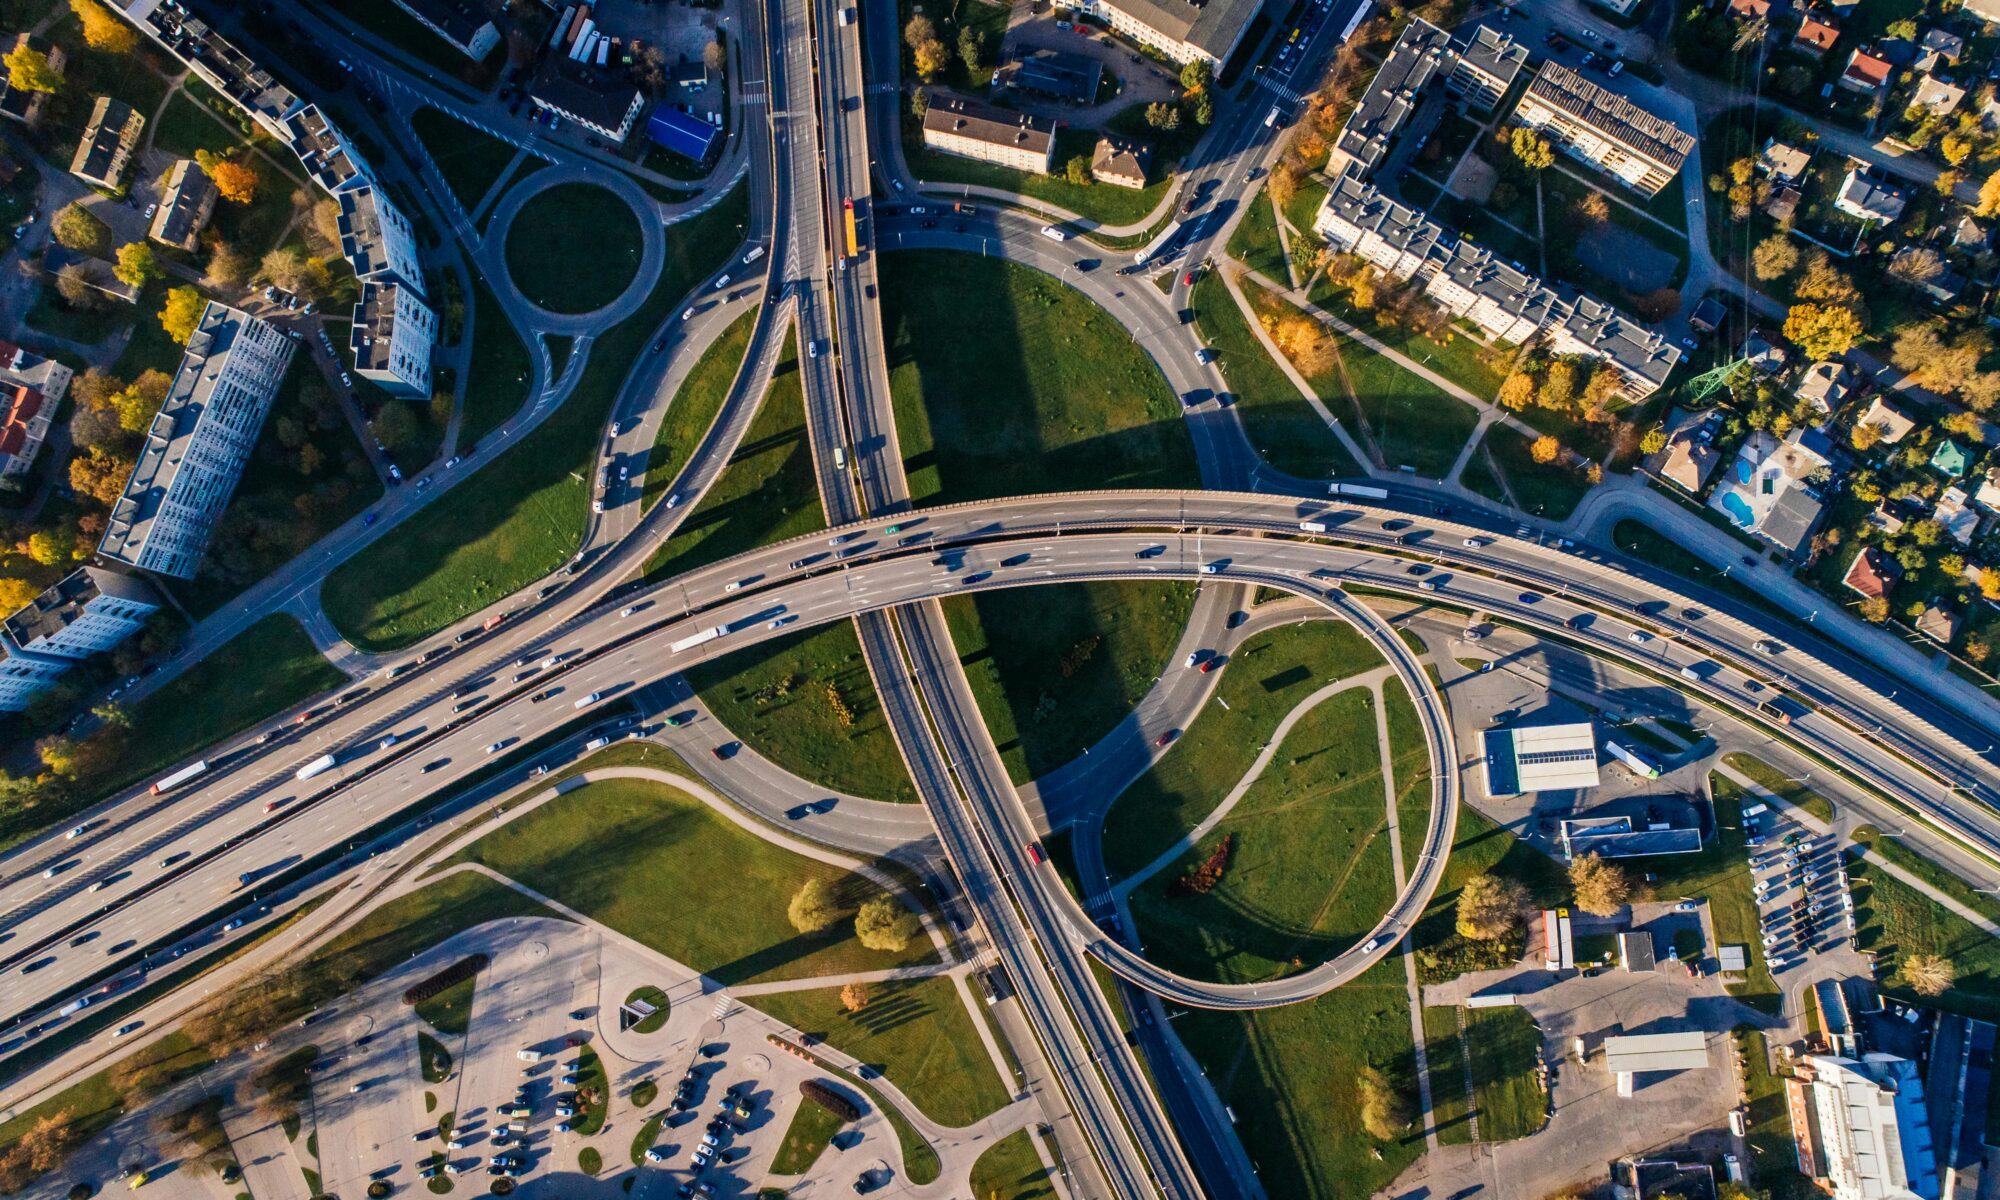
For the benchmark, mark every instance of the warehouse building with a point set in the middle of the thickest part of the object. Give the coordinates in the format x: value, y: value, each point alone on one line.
x: 1629, y: 1057
x: 683, y: 133
x: 1870, y: 1128
x: 1540, y: 758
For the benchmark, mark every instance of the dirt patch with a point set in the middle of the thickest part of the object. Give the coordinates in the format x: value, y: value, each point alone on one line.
x: 1472, y: 179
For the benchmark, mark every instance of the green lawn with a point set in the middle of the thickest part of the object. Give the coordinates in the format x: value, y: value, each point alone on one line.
x: 522, y: 516
x: 1776, y: 782
x: 766, y: 494
x: 1255, y: 243
x: 1896, y: 853
x: 1453, y: 355
x: 593, y: 1089
x: 450, y: 1011
x: 391, y: 935
x: 91, y: 1104
x: 574, y: 248
x: 470, y: 160
x: 1506, y: 1047
x: 1283, y: 427
x: 187, y: 124
x: 1721, y: 872
x: 694, y: 407
x: 1894, y: 920
x: 496, y: 381
x: 1444, y: 1055
x: 806, y: 1138
x: 805, y: 701
x: 915, y: 1032
x: 643, y: 1140
x: 1005, y: 382
x: 1412, y: 422
x: 433, y: 1060
x: 657, y: 997
x: 1010, y: 1169
x: 1770, y: 1124
x: 1290, y: 1075
x: 1305, y: 205
x: 1410, y: 767
x: 1478, y: 847
x: 1543, y: 489
x: 1055, y: 669
x: 1265, y: 679
x: 651, y: 850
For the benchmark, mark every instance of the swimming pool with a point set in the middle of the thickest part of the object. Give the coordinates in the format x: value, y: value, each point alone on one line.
x: 1737, y: 507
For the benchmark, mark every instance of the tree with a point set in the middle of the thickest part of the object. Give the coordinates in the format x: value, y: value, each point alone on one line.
x: 1385, y: 1113
x: 1919, y: 265
x: 854, y: 997
x: 1946, y: 183
x: 99, y: 474
x: 16, y: 593
x: 1077, y: 170
x: 713, y: 57
x: 29, y: 70
x: 1776, y: 256
x: 73, y: 284
x: 1594, y: 208
x: 395, y: 426
x: 1204, y: 109
x: 77, y: 228
x: 1989, y: 196
x: 920, y: 103
x: 286, y: 268
x: 1929, y: 974
x: 1864, y: 436
x: 137, y: 403
x: 137, y: 265
x: 1654, y: 441
x: 1545, y: 449
x: 1490, y: 908
x: 1558, y: 390
x: 1531, y: 148
x: 931, y: 55
x: 884, y: 924
x: 1195, y: 77
x: 1517, y: 391
x: 228, y: 267
x: 182, y: 313
x: 814, y: 907
x: 234, y: 181
x: 103, y: 31
x: 971, y: 46
x: 1601, y: 887
x: 1163, y: 116
x: 1822, y: 330
x: 1874, y: 609
x: 52, y: 547
x: 326, y: 222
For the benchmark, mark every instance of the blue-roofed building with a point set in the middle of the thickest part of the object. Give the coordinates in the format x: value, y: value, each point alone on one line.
x: 688, y: 136
x: 1873, y: 1127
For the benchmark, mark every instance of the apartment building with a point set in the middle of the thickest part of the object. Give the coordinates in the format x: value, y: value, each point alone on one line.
x: 89, y: 611
x: 108, y: 144
x: 1479, y: 69
x: 970, y: 129
x: 391, y: 339
x: 1183, y: 30
x: 21, y: 104
x: 328, y: 157
x: 377, y: 240
x: 218, y: 63
x: 463, y: 25
x: 1467, y: 280
x: 186, y: 203
x: 196, y: 448
x: 31, y: 390
x: 25, y: 675
x: 1640, y: 149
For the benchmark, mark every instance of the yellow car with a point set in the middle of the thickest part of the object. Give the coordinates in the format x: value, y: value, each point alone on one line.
x: 138, y: 1179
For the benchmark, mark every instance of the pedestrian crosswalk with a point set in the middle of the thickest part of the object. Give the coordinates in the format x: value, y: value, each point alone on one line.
x: 723, y: 1005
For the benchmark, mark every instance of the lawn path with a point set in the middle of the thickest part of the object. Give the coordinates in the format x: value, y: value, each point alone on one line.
x: 1409, y: 955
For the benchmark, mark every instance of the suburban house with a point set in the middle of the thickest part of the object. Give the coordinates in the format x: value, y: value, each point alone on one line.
x: 1750, y: 10
x: 31, y: 390
x: 1937, y: 95
x: 1970, y: 236
x: 972, y: 129
x: 1937, y: 50
x: 1818, y: 31
x: 1950, y: 459
x: 1641, y: 149
x: 1783, y: 162
x: 1886, y: 417
x: 1772, y: 489
x: 1826, y: 385
x: 1690, y: 456
x: 1868, y: 198
x: 1708, y: 316
x: 1866, y: 73
x: 1873, y: 573
x: 1939, y: 622
x: 1954, y: 511
x: 1120, y: 162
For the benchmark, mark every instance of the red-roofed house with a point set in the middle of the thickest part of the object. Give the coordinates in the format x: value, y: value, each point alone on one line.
x: 1873, y: 574
x: 1866, y: 73
x: 31, y: 389
x: 1750, y: 9
x: 1817, y: 34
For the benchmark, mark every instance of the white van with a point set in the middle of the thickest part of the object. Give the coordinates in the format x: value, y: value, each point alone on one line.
x: 1055, y: 233
x: 756, y: 252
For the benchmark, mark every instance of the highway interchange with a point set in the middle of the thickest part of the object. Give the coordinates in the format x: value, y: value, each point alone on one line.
x: 147, y: 868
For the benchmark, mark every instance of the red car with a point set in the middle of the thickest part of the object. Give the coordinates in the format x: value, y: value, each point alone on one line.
x: 1208, y: 664
x: 1188, y: 279
x: 1164, y: 738
x: 1034, y: 854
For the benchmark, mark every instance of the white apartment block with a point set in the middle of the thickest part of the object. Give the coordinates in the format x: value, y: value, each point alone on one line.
x: 1001, y: 136
x: 31, y: 390
x: 1874, y: 1130
x: 1604, y: 129
x: 391, y: 339
x: 326, y: 154
x: 25, y: 674
x: 1181, y: 30
x: 377, y: 240
x: 196, y: 448
x: 89, y: 611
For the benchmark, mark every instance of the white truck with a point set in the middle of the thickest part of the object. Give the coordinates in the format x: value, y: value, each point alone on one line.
x: 318, y: 766
x: 695, y: 639
x: 1361, y: 490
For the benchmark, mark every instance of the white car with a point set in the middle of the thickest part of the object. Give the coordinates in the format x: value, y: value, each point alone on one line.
x: 673, y: 499
x: 495, y: 747
x: 1638, y: 637
x: 657, y: 1154
x: 722, y: 283
x: 1473, y: 543
x: 386, y: 742
x: 628, y: 610
x: 75, y: 833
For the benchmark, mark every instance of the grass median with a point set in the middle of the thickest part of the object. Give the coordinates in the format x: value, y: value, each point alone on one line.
x: 471, y: 160
x: 1010, y: 1169
x: 916, y: 1032
x: 523, y: 515
x: 1284, y: 428
x: 574, y: 247
x: 694, y: 408
x: 1005, y: 382
x: 641, y: 857
x: 1266, y: 678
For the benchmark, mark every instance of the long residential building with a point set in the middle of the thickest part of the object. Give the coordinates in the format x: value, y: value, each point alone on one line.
x: 87, y: 612
x: 971, y: 129
x: 469, y: 30
x: 328, y: 157
x: 1183, y: 30
x: 376, y: 238
x: 109, y: 142
x: 1642, y: 150
x: 31, y: 390
x: 198, y: 444
x: 217, y: 61
x: 1478, y: 68
x: 391, y: 339
x: 186, y: 203
x: 1469, y: 281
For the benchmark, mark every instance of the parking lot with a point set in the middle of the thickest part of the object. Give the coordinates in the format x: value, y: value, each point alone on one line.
x: 1803, y: 903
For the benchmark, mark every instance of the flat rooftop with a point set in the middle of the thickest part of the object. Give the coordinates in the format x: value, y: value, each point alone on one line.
x: 1540, y: 758
x: 1640, y: 1053
x: 1612, y: 115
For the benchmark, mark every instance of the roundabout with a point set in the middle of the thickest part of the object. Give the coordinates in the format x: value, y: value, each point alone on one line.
x: 578, y: 247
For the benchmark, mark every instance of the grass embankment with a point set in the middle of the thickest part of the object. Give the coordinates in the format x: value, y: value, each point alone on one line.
x: 1010, y: 1169
x: 806, y: 1138
x: 1055, y: 669
x: 915, y: 1032
x: 1265, y: 679
x: 89, y: 1106
x: 523, y: 515
x: 766, y: 494
x: 652, y: 850
x: 450, y: 1011
x: 471, y: 160
x: 1544, y: 489
x: 1005, y: 382
x: 497, y: 375
x: 1894, y: 920
x: 574, y: 248
x: 1769, y: 1120
x: 1099, y: 203
x: 1309, y: 869
x: 805, y: 701
x: 1282, y: 425
x: 1776, y: 782
x: 694, y: 408
x: 1255, y: 243
x: 1487, y: 1072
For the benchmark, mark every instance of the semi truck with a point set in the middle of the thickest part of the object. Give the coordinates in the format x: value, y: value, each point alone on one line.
x: 695, y: 639
x: 318, y: 766
x: 1639, y: 764
x: 1360, y: 491
x: 853, y: 235
x: 180, y: 777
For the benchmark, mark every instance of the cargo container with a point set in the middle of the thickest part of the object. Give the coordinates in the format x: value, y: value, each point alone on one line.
x: 180, y: 777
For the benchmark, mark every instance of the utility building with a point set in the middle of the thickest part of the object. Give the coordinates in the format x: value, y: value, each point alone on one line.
x: 1540, y: 758
x: 1629, y: 1057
